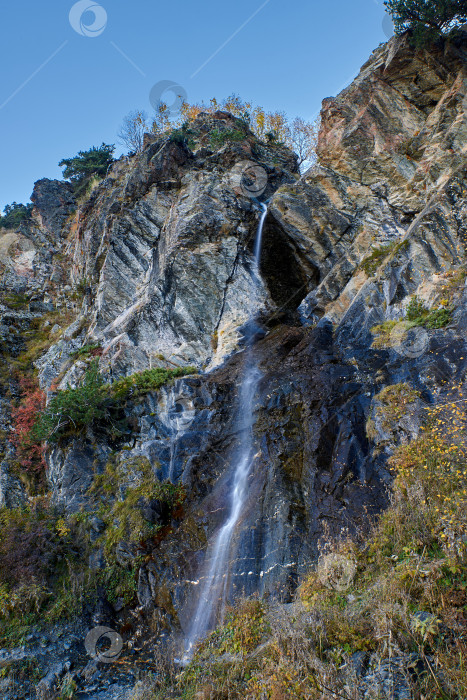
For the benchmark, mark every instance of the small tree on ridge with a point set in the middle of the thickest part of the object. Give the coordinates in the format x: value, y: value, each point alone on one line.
x: 132, y: 131
x: 81, y: 169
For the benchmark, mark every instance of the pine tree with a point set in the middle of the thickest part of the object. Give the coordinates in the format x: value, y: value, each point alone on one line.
x: 427, y: 19
x: 81, y: 169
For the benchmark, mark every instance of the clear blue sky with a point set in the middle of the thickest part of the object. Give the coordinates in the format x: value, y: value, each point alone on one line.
x: 61, y: 92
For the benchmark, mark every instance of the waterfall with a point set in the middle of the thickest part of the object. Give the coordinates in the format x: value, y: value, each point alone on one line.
x: 259, y: 235
x: 214, y: 585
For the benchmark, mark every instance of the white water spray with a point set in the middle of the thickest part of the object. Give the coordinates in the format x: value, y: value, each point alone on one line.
x: 214, y: 586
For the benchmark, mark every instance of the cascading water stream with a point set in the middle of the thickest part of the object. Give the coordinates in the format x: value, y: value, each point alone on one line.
x: 214, y: 587
x: 259, y: 235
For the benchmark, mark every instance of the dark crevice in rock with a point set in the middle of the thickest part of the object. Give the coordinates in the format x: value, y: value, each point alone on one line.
x: 288, y: 282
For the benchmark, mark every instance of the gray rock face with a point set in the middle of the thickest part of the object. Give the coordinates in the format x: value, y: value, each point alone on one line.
x: 12, y: 493
x: 390, y: 679
x: 70, y: 474
x: 53, y: 201
x: 164, y: 244
x: 31, y: 257
x: 390, y: 173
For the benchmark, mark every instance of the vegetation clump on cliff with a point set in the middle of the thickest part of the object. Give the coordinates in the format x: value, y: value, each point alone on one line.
x: 125, y: 506
x: 85, y: 166
x: 42, y: 576
x: 45, y: 577
x: 427, y: 19
x: 93, y: 400
x: 271, y: 127
x: 417, y: 314
x: 14, y: 214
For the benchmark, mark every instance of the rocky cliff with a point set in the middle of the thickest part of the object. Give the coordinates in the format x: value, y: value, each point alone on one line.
x: 362, y: 288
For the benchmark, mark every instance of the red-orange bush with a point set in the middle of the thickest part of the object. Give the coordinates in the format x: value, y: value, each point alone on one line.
x: 29, y: 452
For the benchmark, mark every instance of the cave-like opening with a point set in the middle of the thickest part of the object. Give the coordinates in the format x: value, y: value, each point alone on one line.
x: 288, y: 276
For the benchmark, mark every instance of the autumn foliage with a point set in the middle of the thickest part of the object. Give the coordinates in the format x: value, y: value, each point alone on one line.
x: 29, y: 453
x: 433, y: 468
x: 298, y: 134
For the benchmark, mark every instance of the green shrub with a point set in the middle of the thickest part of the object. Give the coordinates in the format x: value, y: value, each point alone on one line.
x: 183, y: 135
x: 81, y: 287
x: 218, y: 137
x: 68, y: 688
x: 426, y: 19
x: 119, y: 582
x: 27, y: 669
x: 439, y: 318
x: 371, y: 263
x: 73, y: 408
x: 16, y: 301
x: 14, y: 214
x: 90, y: 349
x: 416, y: 309
x: 148, y: 380
x: 419, y: 315
x: 81, y: 169
x: 93, y: 401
